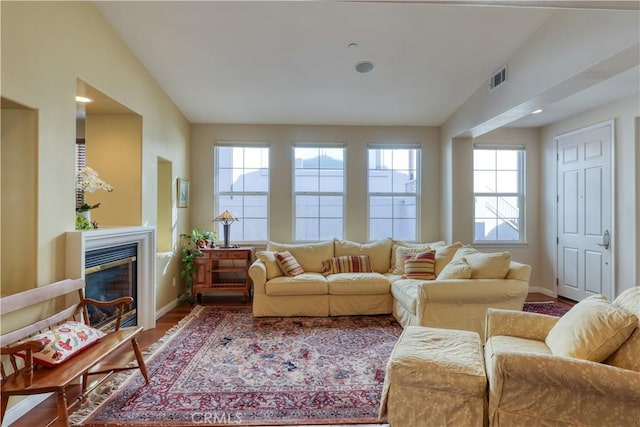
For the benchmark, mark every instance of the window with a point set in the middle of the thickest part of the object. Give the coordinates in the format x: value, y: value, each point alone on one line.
x: 242, y: 187
x: 394, y: 192
x: 498, y: 186
x: 319, y: 192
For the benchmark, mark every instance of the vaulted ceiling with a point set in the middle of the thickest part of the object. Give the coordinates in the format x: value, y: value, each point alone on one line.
x: 294, y: 62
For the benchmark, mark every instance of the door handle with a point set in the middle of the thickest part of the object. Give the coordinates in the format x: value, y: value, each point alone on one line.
x: 606, y: 238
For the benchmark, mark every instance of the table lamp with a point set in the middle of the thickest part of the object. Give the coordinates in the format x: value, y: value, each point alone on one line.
x: 226, y: 218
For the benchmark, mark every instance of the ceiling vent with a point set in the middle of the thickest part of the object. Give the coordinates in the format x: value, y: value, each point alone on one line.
x: 498, y: 78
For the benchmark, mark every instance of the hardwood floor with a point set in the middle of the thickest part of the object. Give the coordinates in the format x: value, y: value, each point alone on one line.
x: 45, y: 413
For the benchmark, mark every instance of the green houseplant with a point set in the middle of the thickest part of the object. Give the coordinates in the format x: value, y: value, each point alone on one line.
x: 192, y: 244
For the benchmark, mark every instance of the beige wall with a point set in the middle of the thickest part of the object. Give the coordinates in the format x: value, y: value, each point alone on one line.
x: 46, y: 48
x: 462, y: 187
x: 280, y: 139
x: 626, y: 236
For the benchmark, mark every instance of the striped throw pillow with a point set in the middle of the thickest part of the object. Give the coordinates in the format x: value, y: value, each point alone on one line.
x: 420, y: 266
x: 288, y: 264
x: 351, y: 264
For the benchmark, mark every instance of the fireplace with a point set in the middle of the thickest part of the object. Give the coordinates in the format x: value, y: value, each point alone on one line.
x: 80, y: 243
x: 111, y: 273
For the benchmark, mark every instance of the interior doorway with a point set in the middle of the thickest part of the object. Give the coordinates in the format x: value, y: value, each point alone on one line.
x: 584, y: 215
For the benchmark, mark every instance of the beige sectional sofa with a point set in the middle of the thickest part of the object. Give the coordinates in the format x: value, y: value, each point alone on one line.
x: 490, y: 280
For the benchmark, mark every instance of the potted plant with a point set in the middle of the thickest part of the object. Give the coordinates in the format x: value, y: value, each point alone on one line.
x: 191, y: 248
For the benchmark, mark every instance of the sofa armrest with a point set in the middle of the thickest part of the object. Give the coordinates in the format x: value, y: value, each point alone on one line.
x: 519, y: 271
x: 519, y: 324
x: 563, y: 379
x: 258, y: 274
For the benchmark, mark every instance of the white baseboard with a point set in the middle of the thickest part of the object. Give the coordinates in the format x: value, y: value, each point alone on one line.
x: 546, y: 291
x: 167, y: 308
x: 22, y: 407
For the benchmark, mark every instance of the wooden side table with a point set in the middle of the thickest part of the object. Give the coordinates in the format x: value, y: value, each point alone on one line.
x: 221, y: 270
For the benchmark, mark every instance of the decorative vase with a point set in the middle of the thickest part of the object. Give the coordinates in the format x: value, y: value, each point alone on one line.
x: 86, y: 214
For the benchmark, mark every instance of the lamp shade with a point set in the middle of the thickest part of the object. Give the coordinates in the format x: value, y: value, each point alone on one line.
x: 225, y: 217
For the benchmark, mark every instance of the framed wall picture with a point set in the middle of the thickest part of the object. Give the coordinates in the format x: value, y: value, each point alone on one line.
x: 183, y: 193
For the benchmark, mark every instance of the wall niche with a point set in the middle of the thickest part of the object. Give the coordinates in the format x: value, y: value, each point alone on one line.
x: 112, y: 135
x: 19, y: 195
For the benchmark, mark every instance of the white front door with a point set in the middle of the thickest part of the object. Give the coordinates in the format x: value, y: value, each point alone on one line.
x: 584, y: 212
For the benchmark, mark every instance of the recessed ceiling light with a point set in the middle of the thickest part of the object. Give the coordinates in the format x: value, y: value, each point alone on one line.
x: 83, y: 99
x: 538, y: 111
x: 364, y: 67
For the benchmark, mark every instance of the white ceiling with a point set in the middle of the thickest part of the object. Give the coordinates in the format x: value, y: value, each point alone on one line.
x: 289, y: 62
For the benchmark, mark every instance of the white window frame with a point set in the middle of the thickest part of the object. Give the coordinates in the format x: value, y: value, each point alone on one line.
x: 217, y: 194
x: 417, y: 194
x: 319, y: 194
x: 520, y: 194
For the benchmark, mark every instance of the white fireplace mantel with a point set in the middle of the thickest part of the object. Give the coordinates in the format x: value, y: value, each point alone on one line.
x: 78, y: 242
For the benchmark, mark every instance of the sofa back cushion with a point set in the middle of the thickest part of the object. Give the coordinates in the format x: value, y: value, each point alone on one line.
x: 308, y: 255
x: 627, y: 356
x: 379, y: 252
x: 592, y: 330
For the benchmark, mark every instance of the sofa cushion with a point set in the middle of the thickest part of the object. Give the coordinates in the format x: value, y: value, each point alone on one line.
x: 358, y: 284
x: 405, y: 292
x: 397, y: 264
x: 288, y: 264
x: 350, y: 264
x: 420, y: 266
x: 444, y: 254
x: 458, y: 269
x: 271, y: 264
x: 379, y: 252
x: 628, y: 355
x: 308, y: 255
x: 591, y: 330
x: 302, y: 284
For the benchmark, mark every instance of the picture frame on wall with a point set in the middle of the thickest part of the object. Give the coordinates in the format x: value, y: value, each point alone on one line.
x: 183, y: 193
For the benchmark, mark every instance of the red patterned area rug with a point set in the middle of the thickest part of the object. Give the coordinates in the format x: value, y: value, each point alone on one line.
x: 221, y: 366
x: 547, y: 307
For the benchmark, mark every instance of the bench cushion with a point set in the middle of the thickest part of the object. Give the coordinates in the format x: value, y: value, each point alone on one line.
x: 63, y: 342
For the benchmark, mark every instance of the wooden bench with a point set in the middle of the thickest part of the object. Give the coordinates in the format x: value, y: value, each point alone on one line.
x: 30, y: 379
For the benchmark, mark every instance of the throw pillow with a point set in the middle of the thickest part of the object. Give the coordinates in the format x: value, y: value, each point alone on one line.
x: 350, y: 264
x: 591, y: 330
x: 458, y: 269
x: 270, y: 262
x: 398, y: 264
x: 63, y: 342
x: 444, y: 254
x: 420, y: 266
x: 379, y: 252
x: 489, y: 266
x: 399, y: 252
x: 288, y: 264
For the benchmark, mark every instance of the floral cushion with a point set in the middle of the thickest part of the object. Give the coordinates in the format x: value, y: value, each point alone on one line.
x: 288, y: 264
x: 63, y: 342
